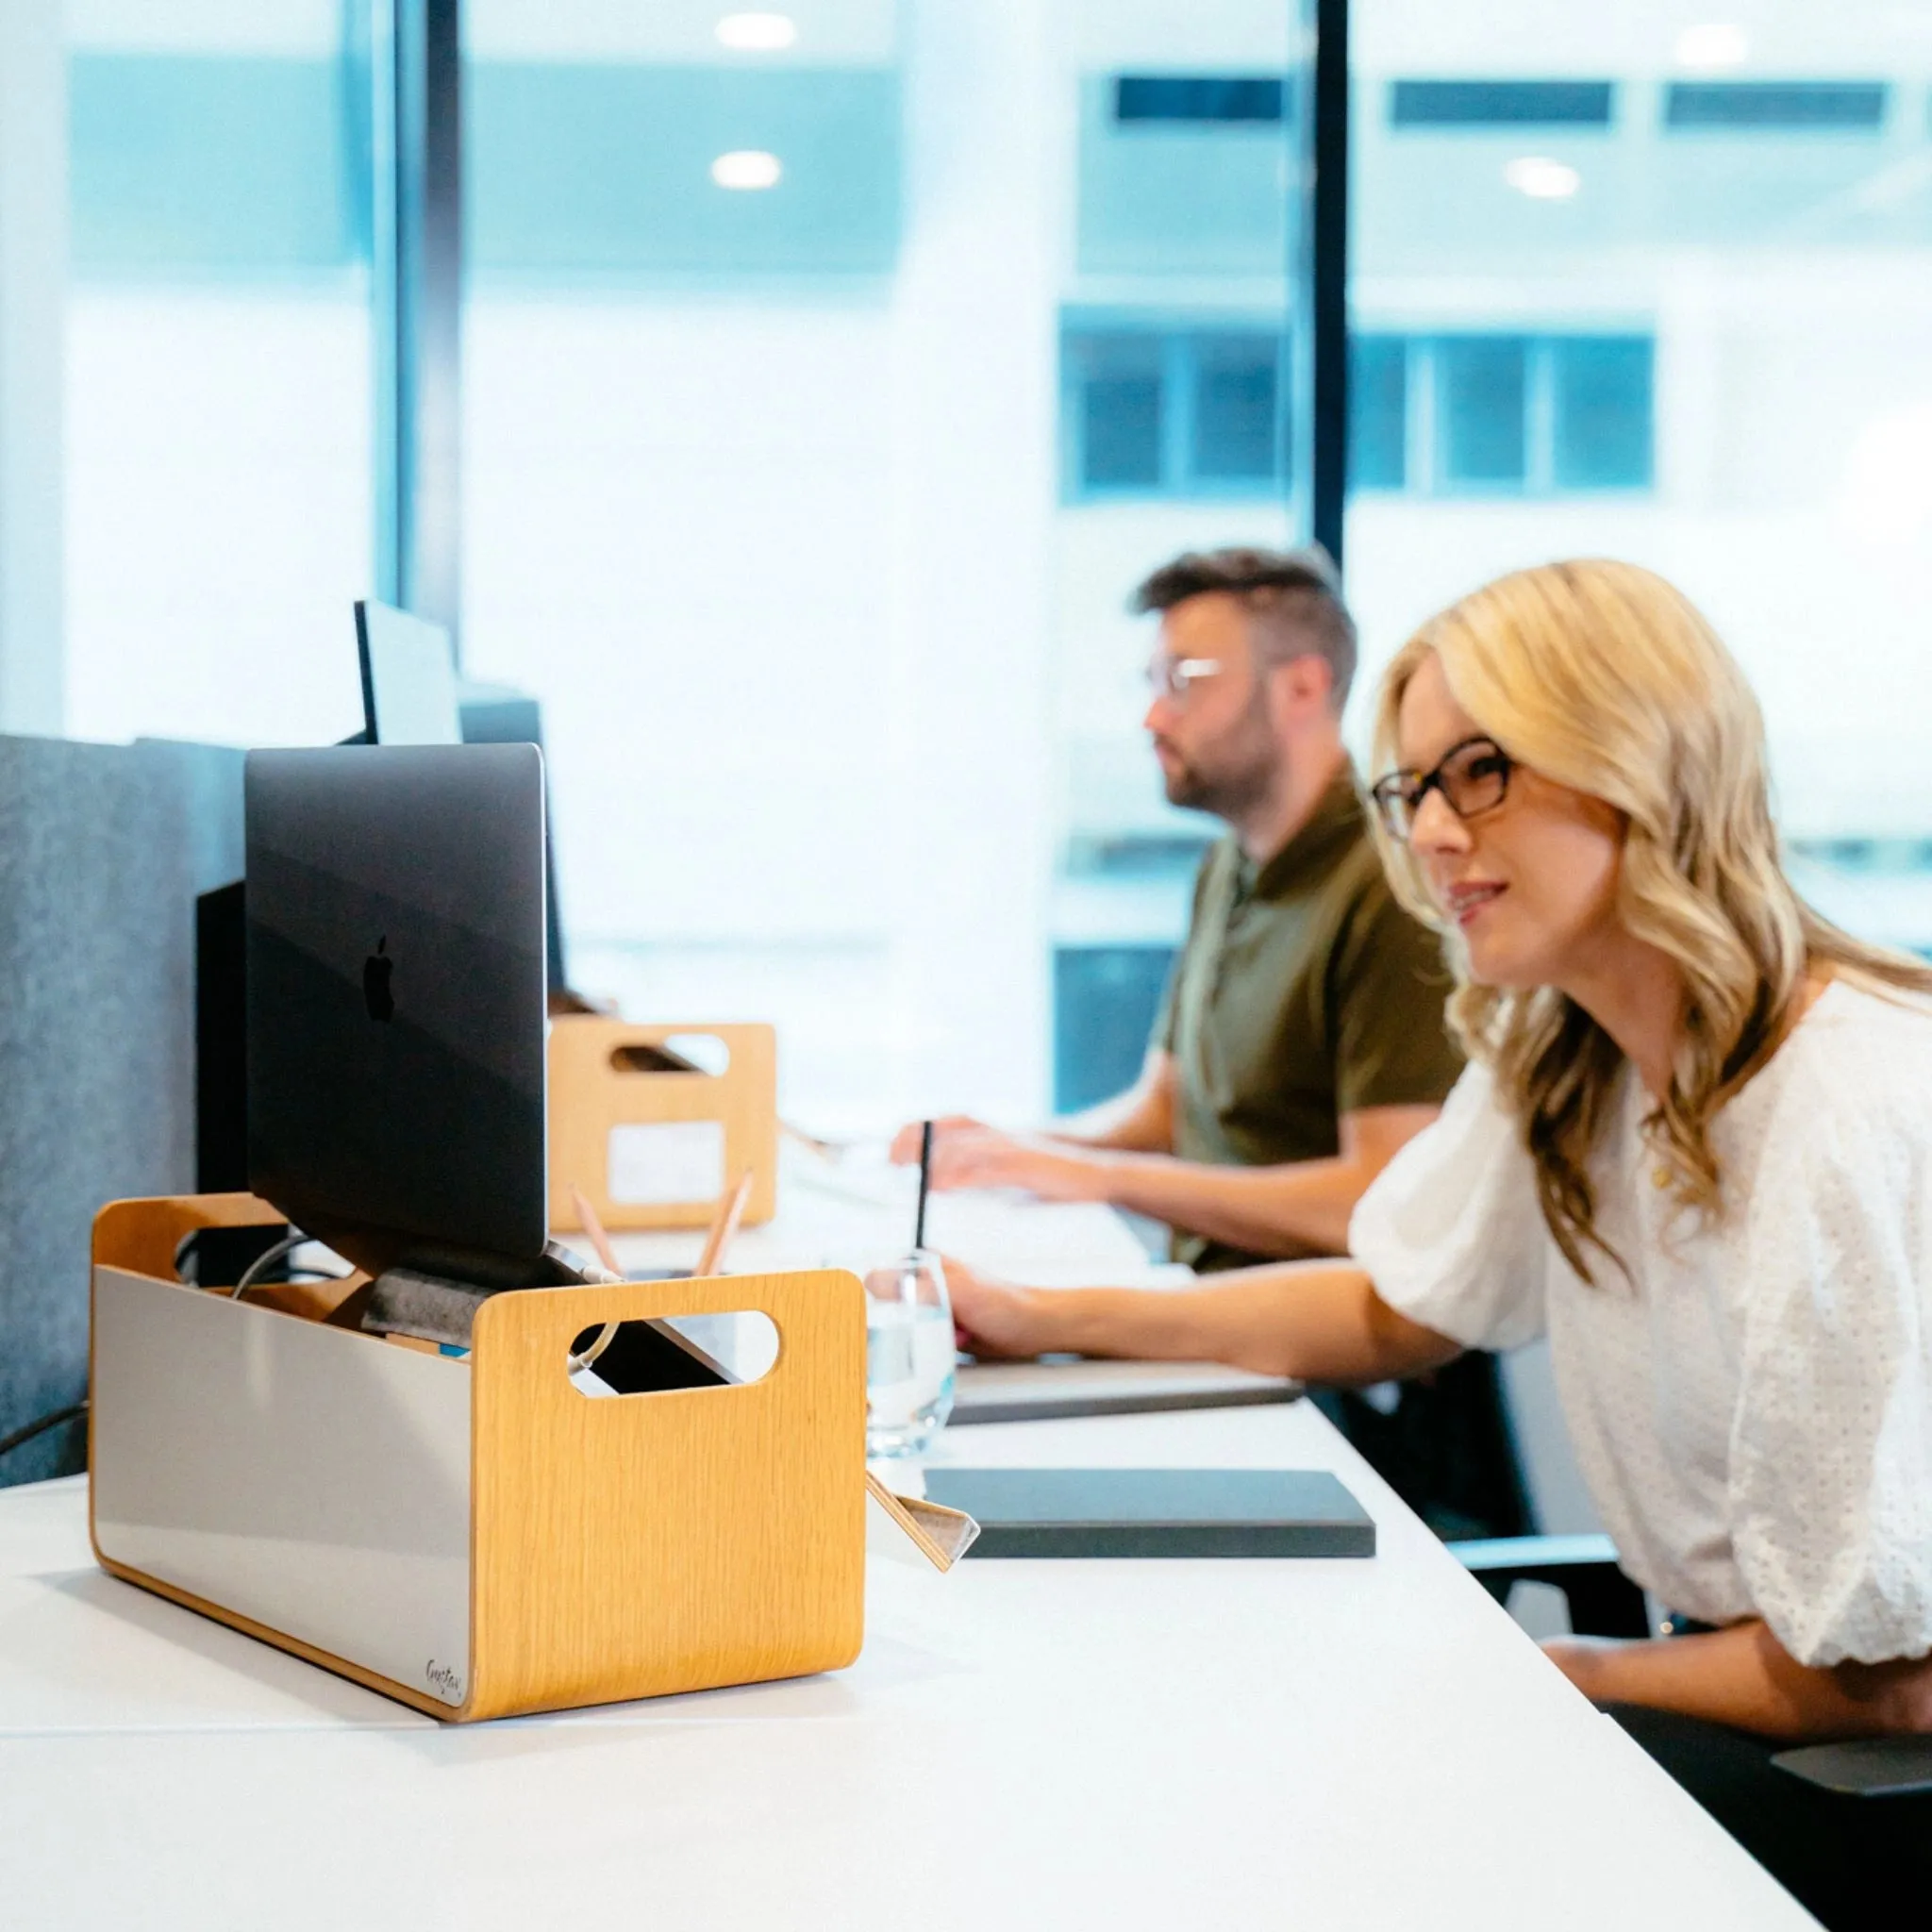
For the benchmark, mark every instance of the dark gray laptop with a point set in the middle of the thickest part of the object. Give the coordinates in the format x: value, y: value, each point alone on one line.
x: 397, y: 1033
x: 395, y: 993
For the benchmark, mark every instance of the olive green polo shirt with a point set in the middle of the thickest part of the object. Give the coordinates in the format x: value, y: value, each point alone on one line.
x: 1302, y: 992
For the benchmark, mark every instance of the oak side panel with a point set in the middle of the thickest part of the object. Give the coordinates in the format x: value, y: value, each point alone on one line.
x: 633, y: 1546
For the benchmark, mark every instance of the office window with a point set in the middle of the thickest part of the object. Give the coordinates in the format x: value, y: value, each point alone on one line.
x: 1776, y: 104
x: 1104, y: 1001
x: 1377, y: 412
x: 1197, y: 98
x: 1500, y: 103
x: 1237, y: 426
x: 1533, y: 415
x: 211, y: 163
x: 1179, y: 173
x: 1120, y: 421
x: 1602, y: 430
x: 1480, y: 396
x: 822, y: 406
x: 606, y: 168
x: 1173, y: 412
x: 219, y: 492
x: 1725, y: 307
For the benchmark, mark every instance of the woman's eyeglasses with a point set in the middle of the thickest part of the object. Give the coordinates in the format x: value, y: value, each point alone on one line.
x: 1473, y: 777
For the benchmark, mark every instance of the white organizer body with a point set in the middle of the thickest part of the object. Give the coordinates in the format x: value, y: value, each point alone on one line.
x: 303, y: 1476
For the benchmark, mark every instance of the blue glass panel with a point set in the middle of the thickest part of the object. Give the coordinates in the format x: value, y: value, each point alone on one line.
x: 1120, y: 432
x: 203, y: 164
x: 1500, y: 103
x: 1377, y: 412
x: 1479, y: 412
x: 1178, y: 197
x: 1105, y: 999
x: 1775, y: 104
x: 1197, y: 98
x: 1237, y: 431
x: 1604, y: 412
x: 1112, y: 382
x: 608, y: 169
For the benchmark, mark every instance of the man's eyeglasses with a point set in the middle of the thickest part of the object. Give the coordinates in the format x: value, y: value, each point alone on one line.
x: 1473, y: 777
x: 1172, y: 677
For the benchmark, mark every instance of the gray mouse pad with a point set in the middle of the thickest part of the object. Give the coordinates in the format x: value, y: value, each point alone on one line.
x: 1156, y: 1512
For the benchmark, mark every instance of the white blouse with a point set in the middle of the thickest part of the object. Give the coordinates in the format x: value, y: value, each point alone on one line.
x: 1752, y: 1409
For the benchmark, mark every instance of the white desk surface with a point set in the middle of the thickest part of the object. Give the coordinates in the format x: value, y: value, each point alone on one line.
x: 858, y: 1213
x: 1126, y: 1744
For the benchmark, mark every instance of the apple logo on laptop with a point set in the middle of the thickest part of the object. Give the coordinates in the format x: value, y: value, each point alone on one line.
x: 376, y: 994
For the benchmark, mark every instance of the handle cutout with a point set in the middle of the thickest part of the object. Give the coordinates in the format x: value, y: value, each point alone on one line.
x: 651, y: 1358
x: 678, y: 1053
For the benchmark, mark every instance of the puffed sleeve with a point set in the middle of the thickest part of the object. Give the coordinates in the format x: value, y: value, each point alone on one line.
x: 1831, y: 1442
x: 1451, y: 1233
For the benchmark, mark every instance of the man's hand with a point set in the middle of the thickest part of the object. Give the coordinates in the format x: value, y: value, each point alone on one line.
x: 981, y: 1156
x: 969, y: 1153
x: 991, y: 1318
x: 906, y: 1142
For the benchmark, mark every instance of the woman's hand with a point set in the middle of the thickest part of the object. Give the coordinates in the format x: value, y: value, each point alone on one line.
x: 1742, y: 1676
x: 991, y: 1318
x: 1581, y: 1660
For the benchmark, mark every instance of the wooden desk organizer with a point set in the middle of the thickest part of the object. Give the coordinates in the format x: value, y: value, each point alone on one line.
x: 610, y: 1123
x: 472, y: 1536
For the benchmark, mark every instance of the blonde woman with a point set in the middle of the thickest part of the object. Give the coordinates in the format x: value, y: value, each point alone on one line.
x: 1694, y: 1146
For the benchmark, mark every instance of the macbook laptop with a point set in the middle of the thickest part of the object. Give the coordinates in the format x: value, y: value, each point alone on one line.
x: 396, y: 1026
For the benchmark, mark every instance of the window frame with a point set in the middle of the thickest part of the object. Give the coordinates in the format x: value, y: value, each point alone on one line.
x: 1179, y: 343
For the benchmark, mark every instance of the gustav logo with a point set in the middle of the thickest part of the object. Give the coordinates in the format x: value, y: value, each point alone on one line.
x: 444, y: 1681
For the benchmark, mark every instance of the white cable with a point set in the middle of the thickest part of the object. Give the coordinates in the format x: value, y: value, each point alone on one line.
x: 264, y: 1261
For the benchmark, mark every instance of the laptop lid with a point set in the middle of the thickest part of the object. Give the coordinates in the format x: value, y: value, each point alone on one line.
x: 408, y: 677
x: 396, y: 1002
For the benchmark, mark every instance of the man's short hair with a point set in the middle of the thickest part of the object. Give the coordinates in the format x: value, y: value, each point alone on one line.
x: 1293, y: 597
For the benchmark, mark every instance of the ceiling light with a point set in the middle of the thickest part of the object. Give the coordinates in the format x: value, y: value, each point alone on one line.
x: 747, y: 167
x: 1713, y: 47
x: 757, y: 33
x: 1541, y: 178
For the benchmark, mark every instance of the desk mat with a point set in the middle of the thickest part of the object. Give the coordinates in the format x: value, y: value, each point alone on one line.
x: 1155, y: 1512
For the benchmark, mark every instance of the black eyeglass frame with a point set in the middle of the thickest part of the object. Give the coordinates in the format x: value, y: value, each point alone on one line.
x: 1398, y: 796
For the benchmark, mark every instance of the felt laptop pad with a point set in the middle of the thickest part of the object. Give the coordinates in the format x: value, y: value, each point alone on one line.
x: 1156, y: 1512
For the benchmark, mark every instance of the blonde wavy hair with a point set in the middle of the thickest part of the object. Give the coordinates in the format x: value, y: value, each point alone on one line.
x: 1608, y: 679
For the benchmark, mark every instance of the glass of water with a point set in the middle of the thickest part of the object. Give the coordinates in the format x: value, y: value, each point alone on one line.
x: 909, y: 1355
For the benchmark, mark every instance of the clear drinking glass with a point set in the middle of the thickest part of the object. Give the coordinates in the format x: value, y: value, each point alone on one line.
x: 908, y: 1355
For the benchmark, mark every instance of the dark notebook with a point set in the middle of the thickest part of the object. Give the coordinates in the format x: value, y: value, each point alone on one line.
x: 1156, y: 1512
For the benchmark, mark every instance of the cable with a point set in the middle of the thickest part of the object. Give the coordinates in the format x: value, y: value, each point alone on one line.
x: 41, y: 1425
x: 54, y: 1418
x: 608, y: 1335
x: 264, y: 1261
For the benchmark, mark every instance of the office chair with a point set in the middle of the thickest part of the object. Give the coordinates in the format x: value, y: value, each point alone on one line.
x: 1603, y: 1601
x: 1568, y: 1550
x: 1579, y: 1559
